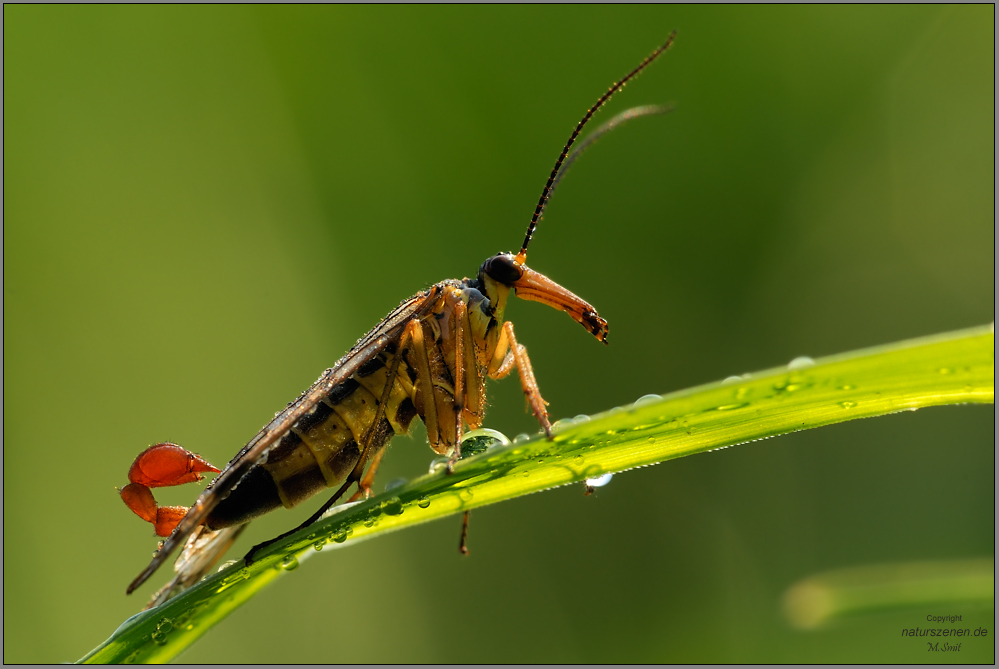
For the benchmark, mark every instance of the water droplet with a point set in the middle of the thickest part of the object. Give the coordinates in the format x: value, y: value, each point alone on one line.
x: 581, y: 418
x: 561, y: 424
x: 318, y: 545
x: 438, y: 465
x: 164, y: 626
x: 225, y: 565
x: 593, y: 471
x: 159, y: 639
x: 289, y: 562
x: 848, y: 405
x: 578, y: 457
x: 599, y: 481
x: 392, y: 506
x: 478, y: 441
x: 465, y: 494
x: 423, y: 502
x: 801, y: 362
x: 521, y: 438
x: 370, y: 522
x: 395, y: 483
x: 731, y: 379
x: 647, y: 399
x: 340, y: 536
x: 651, y: 440
x: 526, y: 474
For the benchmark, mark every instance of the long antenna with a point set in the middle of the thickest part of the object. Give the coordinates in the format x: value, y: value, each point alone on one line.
x: 620, y: 119
x: 572, y: 138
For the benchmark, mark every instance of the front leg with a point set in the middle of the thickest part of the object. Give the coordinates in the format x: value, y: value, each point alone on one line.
x: 509, y: 353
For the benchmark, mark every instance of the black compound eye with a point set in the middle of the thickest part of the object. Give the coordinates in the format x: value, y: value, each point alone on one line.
x: 503, y: 269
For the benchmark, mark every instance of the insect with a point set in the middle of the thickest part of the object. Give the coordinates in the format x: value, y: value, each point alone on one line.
x: 427, y: 359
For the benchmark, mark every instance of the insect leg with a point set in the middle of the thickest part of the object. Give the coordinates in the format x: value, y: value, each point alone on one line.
x: 509, y: 352
x: 408, y: 335
x: 426, y: 386
x: 460, y: 321
x: 463, y: 543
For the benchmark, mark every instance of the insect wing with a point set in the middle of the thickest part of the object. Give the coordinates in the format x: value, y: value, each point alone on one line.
x: 389, y: 330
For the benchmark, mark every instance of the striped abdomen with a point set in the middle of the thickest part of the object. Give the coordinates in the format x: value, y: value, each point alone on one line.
x: 323, y: 447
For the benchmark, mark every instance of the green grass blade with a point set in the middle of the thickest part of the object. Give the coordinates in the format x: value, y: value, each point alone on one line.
x: 839, y: 594
x: 953, y: 368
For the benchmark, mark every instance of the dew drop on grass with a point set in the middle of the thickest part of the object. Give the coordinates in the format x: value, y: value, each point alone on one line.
x: 289, y: 562
x: 340, y: 536
x: 561, y: 424
x: 647, y: 399
x: 521, y: 438
x: 395, y: 483
x: 438, y: 465
x: 423, y: 502
x: 599, y: 481
x: 801, y: 362
x: 392, y: 506
x: 478, y: 441
x: 318, y: 545
x: 848, y: 405
x: 225, y: 565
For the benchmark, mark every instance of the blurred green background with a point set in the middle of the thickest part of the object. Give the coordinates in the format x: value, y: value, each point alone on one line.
x: 204, y: 207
